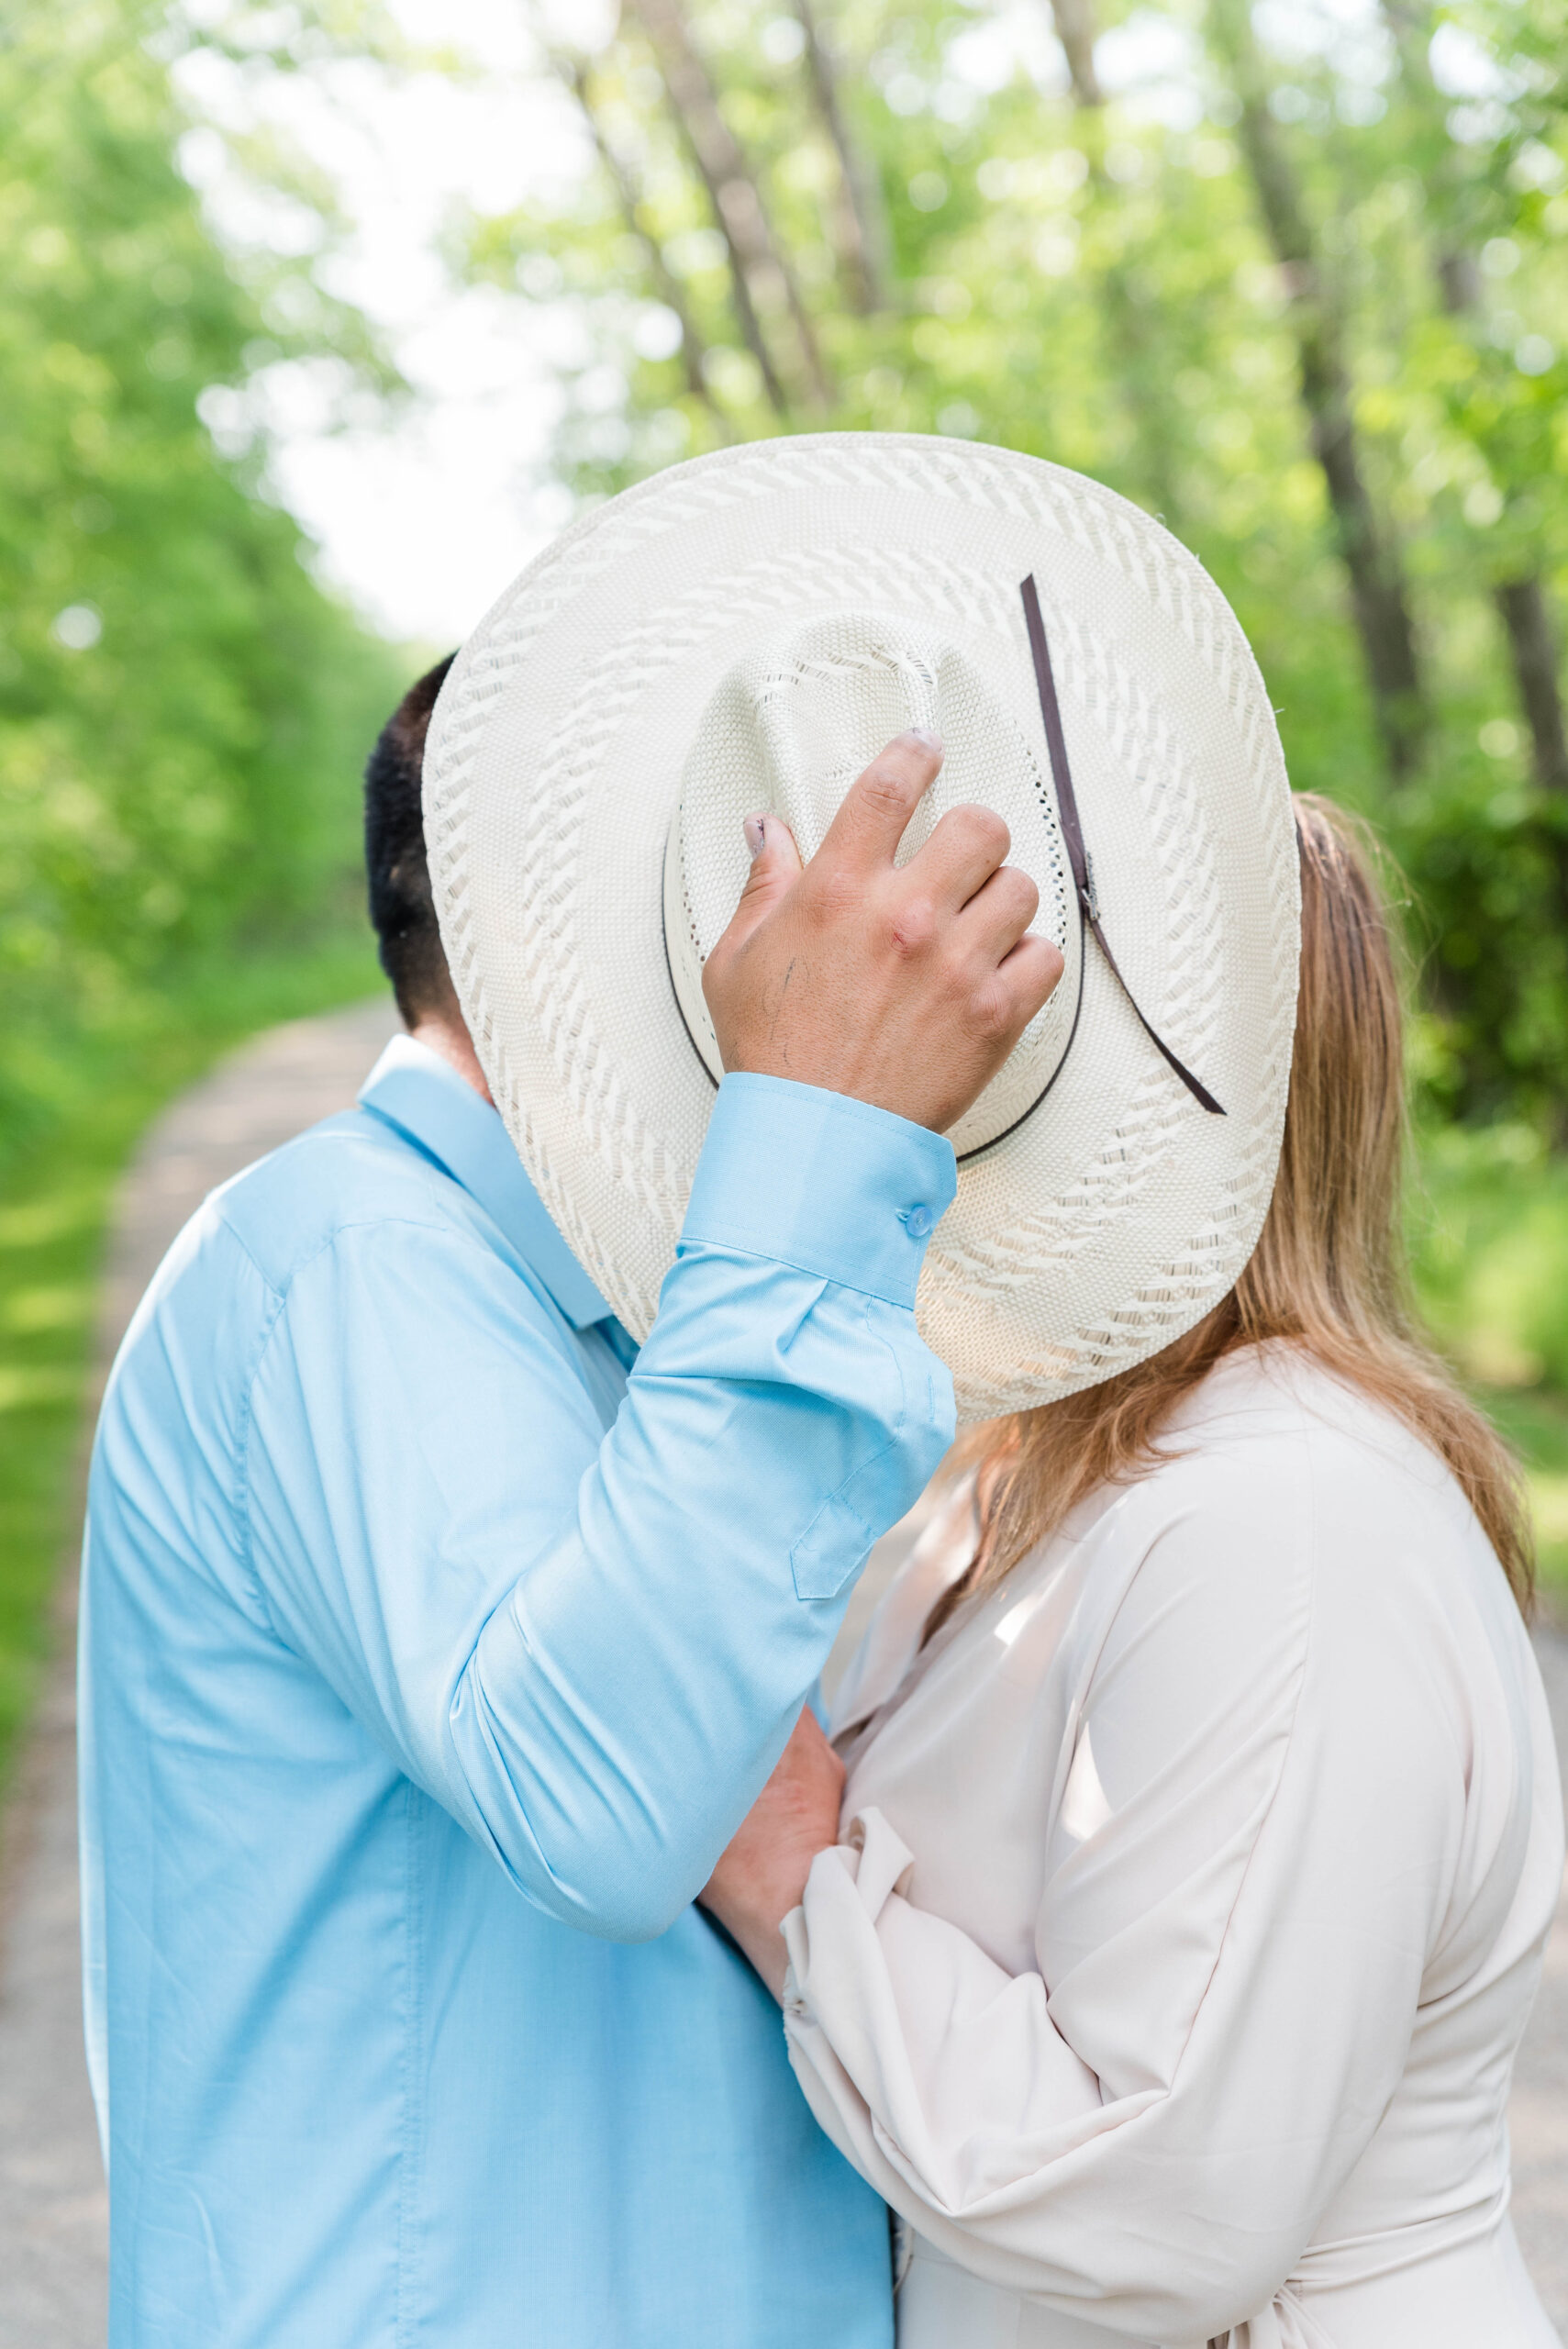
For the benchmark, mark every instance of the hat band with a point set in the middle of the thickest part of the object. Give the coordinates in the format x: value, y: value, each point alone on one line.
x: 1072, y: 834
x: 1080, y: 864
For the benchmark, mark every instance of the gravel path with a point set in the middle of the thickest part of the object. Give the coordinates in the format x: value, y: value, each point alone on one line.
x: 54, y: 2207
x: 53, y: 2210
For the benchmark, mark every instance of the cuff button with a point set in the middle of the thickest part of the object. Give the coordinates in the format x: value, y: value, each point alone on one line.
x: 916, y: 1222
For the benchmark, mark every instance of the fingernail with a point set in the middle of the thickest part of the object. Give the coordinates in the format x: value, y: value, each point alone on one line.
x: 927, y: 739
x: 755, y: 836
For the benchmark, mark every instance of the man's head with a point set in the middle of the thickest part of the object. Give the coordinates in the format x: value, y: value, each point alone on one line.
x: 402, y: 908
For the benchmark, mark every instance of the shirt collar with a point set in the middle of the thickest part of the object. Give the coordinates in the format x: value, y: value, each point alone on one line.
x: 412, y: 1088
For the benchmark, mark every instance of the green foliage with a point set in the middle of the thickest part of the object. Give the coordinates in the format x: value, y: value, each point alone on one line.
x: 1096, y: 286
x: 1491, y: 1253
x: 183, y: 712
x: 1489, y: 1250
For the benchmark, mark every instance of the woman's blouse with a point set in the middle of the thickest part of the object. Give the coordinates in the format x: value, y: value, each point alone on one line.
x: 1190, y: 1902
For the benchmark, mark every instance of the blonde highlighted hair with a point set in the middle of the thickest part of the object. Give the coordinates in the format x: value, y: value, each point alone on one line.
x: 1327, y: 1274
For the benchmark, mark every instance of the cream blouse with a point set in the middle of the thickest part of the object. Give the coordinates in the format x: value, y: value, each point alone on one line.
x: 1191, y: 1903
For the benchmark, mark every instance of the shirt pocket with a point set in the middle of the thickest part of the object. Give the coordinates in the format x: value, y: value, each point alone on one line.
x: 836, y: 1544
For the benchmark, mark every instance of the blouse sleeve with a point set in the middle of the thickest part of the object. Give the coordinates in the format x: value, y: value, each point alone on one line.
x: 1247, y: 1865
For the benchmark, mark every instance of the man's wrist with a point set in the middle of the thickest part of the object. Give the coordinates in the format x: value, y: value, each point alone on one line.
x: 757, y: 1930
x: 833, y: 1185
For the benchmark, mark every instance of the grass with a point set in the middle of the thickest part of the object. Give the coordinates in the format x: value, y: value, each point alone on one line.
x: 1489, y: 1246
x: 55, y: 1199
x: 1537, y: 1425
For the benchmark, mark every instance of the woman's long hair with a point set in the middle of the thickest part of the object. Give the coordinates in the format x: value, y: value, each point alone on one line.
x: 1328, y: 1270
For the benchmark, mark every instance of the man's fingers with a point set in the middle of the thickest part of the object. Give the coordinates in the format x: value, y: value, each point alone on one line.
x: 1008, y: 999
x: 1030, y: 972
x: 963, y: 851
x: 775, y: 868
x: 776, y: 860
x: 997, y: 915
x: 874, y: 813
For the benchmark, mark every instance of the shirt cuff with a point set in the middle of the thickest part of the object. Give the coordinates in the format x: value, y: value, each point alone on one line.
x: 817, y: 1180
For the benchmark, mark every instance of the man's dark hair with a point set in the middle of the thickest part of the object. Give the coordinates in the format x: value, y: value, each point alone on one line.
x: 403, y: 911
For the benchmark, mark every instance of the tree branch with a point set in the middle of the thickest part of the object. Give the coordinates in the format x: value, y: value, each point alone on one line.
x: 1378, y: 599
x: 1126, y: 313
x: 574, y: 72
x: 864, y: 248
x: 763, y: 283
x: 1522, y: 602
x: 1076, y: 30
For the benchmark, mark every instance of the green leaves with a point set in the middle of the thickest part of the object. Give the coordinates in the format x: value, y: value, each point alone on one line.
x: 182, y: 713
x: 1103, y: 283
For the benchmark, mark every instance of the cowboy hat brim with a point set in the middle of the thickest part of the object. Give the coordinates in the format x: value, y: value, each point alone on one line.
x: 1108, y: 1221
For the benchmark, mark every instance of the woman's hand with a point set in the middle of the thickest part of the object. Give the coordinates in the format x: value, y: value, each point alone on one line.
x: 761, y: 1875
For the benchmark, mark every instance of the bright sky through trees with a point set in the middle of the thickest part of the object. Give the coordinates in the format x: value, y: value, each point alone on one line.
x: 423, y: 515
x: 425, y: 511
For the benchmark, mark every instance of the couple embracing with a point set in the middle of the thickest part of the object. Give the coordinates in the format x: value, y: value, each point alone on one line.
x: 864, y: 972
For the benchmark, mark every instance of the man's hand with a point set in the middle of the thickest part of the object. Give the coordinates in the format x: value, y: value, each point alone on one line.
x: 904, y: 988
x: 761, y: 1875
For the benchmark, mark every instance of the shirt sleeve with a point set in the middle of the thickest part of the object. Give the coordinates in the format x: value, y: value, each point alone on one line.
x: 591, y: 1647
x: 1247, y: 1863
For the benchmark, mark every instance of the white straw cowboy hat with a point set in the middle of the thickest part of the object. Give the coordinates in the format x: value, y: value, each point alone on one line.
x: 745, y: 632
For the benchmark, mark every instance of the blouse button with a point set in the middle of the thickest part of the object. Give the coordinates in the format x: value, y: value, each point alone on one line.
x: 916, y: 1222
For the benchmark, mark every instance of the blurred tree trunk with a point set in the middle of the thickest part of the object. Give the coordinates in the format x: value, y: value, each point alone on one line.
x: 574, y: 72
x: 1076, y: 30
x: 1378, y: 598
x: 1532, y: 644
x: 861, y: 239
x: 1522, y: 601
x: 1128, y: 319
x: 763, y: 286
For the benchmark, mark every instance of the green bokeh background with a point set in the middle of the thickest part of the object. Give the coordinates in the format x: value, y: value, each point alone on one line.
x: 183, y: 710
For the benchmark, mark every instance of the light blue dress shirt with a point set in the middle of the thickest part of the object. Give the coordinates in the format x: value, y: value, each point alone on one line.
x: 428, y: 1665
